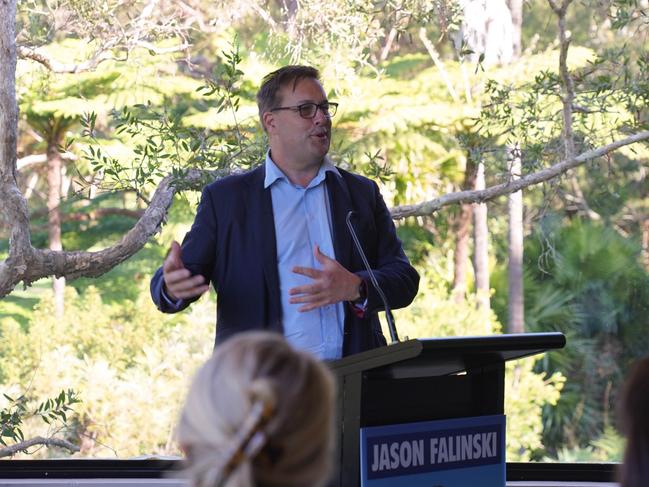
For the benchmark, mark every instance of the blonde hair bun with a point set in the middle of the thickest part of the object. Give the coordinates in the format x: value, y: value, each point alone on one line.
x: 259, y: 412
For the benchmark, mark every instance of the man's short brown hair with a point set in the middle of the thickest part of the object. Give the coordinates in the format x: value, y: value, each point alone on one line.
x: 267, y: 96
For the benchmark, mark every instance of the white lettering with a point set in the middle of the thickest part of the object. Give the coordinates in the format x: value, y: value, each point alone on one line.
x: 375, y: 463
x: 433, y: 450
x: 405, y: 454
x: 417, y: 453
x: 486, y: 445
x: 443, y: 451
x: 467, y: 452
x: 384, y: 463
x: 394, y: 455
x: 477, y: 448
x: 452, y: 456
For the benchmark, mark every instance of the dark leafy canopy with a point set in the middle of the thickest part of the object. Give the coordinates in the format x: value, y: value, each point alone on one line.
x: 585, y: 280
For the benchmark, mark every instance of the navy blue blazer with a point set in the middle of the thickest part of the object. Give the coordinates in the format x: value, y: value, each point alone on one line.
x: 232, y: 244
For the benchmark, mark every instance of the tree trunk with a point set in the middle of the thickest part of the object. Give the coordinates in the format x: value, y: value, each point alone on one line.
x: 434, y: 55
x: 516, y: 9
x: 14, y: 206
x: 462, y: 229
x: 54, y: 178
x: 8, y: 106
x: 481, y: 247
x: 290, y: 8
x: 385, y: 52
x: 515, y: 271
x: 487, y: 29
x: 645, y: 242
x: 31, y: 185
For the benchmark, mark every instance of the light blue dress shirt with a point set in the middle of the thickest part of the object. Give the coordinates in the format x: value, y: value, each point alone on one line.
x: 302, y: 220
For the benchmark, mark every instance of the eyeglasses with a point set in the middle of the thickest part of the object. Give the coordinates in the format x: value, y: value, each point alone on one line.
x: 309, y: 110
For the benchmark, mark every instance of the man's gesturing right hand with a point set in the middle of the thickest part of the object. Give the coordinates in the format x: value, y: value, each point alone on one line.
x: 179, y: 282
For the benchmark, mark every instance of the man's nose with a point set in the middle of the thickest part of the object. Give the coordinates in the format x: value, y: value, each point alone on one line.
x: 321, y: 117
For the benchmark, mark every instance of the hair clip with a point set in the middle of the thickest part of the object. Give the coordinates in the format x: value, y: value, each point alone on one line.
x: 248, y: 441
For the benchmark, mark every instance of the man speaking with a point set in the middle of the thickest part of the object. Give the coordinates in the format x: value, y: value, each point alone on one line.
x: 274, y: 242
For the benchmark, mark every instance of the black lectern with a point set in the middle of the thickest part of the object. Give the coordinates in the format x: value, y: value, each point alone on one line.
x: 423, y: 380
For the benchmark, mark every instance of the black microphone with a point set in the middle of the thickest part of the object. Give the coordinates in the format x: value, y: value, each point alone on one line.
x: 388, y: 313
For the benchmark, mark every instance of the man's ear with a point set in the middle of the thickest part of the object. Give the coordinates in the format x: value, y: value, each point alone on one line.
x: 269, y: 121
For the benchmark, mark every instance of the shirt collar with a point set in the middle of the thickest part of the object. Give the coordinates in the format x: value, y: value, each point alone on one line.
x: 273, y: 173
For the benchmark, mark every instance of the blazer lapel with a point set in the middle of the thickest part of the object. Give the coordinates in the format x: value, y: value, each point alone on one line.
x: 340, y: 203
x: 262, y: 226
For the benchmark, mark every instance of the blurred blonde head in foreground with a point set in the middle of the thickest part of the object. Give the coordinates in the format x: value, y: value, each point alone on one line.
x: 259, y: 413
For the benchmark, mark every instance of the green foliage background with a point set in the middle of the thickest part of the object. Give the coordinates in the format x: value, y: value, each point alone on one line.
x: 130, y: 123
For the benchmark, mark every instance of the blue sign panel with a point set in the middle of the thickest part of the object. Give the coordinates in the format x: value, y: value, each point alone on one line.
x: 449, y: 453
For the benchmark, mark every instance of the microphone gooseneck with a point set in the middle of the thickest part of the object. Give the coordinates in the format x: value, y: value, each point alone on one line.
x: 388, y: 313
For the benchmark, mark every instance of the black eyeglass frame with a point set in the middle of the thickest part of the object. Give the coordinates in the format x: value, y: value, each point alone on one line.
x: 324, y: 107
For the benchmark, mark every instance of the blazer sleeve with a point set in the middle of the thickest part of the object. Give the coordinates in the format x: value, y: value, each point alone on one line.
x: 394, y: 274
x: 198, y: 251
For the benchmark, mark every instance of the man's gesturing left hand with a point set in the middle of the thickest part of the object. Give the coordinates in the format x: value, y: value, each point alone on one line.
x: 331, y: 284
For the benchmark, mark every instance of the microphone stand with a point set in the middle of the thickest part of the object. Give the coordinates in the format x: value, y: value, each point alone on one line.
x: 388, y: 313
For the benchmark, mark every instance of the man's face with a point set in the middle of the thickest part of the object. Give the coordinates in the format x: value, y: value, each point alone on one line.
x: 302, y: 140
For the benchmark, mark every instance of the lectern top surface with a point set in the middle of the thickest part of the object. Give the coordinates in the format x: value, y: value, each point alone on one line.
x: 443, y: 356
x: 504, y: 343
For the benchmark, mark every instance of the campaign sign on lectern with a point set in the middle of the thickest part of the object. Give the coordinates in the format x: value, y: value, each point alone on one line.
x: 446, y: 453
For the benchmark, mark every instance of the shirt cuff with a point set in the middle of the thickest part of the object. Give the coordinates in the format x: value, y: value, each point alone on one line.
x: 359, y: 306
x: 168, y: 300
